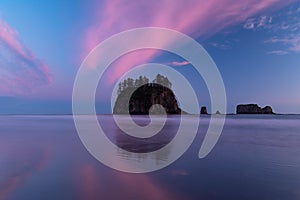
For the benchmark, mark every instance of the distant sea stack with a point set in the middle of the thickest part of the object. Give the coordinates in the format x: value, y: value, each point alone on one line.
x: 203, y: 110
x: 253, y: 109
x: 142, y: 95
x: 218, y: 113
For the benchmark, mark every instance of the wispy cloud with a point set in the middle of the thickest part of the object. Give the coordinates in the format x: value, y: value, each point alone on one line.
x: 278, y: 52
x: 20, y: 70
x: 290, y: 41
x: 223, y: 46
x: 256, y: 23
x: 298, y: 10
x: 178, y: 64
x: 284, y: 26
x: 193, y: 17
x: 249, y: 24
x: 264, y: 21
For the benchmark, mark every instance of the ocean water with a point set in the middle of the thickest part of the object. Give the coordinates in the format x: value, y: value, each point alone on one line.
x: 256, y: 157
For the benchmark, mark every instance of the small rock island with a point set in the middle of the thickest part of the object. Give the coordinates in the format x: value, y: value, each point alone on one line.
x: 203, y: 110
x: 142, y: 95
x: 253, y: 109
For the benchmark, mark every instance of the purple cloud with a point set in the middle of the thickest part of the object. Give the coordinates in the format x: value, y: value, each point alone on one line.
x: 20, y: 70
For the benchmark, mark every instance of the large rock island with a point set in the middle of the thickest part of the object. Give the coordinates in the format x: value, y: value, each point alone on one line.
x: 142, y: 95
x: 253, y: 109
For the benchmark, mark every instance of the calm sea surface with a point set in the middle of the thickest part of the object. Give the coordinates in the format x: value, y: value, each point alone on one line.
x: 256, y: 157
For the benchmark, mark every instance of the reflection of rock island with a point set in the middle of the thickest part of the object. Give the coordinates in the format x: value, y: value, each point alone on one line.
x: 142, y: 95
x: 253, y: 109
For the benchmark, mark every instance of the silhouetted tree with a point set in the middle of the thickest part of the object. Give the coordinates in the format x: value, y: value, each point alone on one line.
x: 166, y: 82
x: 137, y: 83
x: 124, y: 84
x: 130, y: 82
x: 162, y: 81
x: 143, y: 80
x: 119, y: 88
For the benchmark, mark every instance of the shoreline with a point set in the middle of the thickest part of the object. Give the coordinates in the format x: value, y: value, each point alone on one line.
x: 98, y: 114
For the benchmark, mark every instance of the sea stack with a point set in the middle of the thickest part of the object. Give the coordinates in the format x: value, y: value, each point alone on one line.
x: 218, y: 113
x: 145, y: 96
x: 203, y: 110
x: 253, y: 109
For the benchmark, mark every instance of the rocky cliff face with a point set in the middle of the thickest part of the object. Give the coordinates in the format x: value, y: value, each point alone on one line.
x: 253, y: 109
x: 144, y: 97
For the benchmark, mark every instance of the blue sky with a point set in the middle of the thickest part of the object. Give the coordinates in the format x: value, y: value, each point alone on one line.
x: 255, y: 44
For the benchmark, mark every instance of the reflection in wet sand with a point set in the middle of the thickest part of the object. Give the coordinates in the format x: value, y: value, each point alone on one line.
x: 20, y: 165
x: 257, y: 157
x: 120, y: 186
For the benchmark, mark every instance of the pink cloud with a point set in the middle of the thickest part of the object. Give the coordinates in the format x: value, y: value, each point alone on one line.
x: 193, y: 17
x: 20, y: 70
x: 178, y: 64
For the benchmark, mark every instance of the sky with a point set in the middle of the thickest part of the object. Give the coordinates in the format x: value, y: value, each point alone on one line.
x: 254, y: 43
